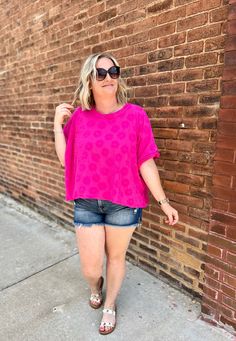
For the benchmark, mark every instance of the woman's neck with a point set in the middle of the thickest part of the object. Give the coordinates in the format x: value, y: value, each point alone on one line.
x: 107, y: 107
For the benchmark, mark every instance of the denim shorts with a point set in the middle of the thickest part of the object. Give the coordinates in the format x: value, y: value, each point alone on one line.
x: 103, y: 212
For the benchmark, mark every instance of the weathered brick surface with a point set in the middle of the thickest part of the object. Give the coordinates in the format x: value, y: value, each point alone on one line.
x: 219, y: 299
x: 172, y: 56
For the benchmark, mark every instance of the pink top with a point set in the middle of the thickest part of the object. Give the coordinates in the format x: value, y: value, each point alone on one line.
x: 104, y: 153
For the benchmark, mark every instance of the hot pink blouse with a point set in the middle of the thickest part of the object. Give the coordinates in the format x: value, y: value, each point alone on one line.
x: 104, y: 153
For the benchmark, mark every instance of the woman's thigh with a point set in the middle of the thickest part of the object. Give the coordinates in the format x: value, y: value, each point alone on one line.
x: 117, y: 242
x: 91, y: 246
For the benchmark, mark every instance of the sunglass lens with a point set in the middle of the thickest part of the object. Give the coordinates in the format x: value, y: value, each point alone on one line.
x: 101, y: 74
x: 114, y: 72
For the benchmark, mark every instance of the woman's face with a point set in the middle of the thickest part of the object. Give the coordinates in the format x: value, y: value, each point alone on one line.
x: 108, y: 86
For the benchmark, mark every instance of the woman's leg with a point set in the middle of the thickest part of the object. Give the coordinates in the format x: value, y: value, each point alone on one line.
x: 91, y: 246
x: 117, y: 241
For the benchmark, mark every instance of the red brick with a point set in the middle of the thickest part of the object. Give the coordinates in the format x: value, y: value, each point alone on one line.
x: 227, y: 128
x: 225, y: 168
x: 232, y: 12
x: 127, y: 6
x: 230, y: 232
x: 146, y: 91
x: 227, y: 142
x: 187, y: 75
x: 229, y: 301
x: 231, y: 257
x: 229, y: 280
x: 198, y: 234
x: 179, y: 145
x: 216, y: 43
x: 228, y: 102
x: 159, y: 78
x: 210, y: 292
x: 145, y: 47
x: 137, y: 38
x: 227, y: 115
x: 210, y: 99
x: 216, y: 227
x: 161, y: 6
x: 220, y: 180
x: 172, y: 15
x: 232, y: 207
x: 173, y: 39
x: 176, y: 187
x: 159, y: 55
x: 204, y: 32
x: 202, y: 5
x: 168, y: 65
x: 191, y: 22
x: 231, y: 27
x: 199, y: 60
x: 230, y: 44
x: 171, y: 89
x: 211, y: 271
x: 183, y: 100
x: 226, y: 312
x: 202, y: 86
x: 107, y: 15
x: 219, y: 14
x: 213, y: 71
x: 230, y: 58
x: 163, y: 30
x: 221, y: 242
x: 136, y: 60
x: 188, y: 49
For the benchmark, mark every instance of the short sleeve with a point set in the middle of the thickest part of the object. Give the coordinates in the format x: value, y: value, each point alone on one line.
x: 67, y: 129
x: 147, y: 147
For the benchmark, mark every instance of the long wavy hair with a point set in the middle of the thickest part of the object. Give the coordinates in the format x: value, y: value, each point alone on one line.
x: 88, y: 73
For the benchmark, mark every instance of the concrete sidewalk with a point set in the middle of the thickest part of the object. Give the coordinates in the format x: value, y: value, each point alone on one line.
x: 43, y: 296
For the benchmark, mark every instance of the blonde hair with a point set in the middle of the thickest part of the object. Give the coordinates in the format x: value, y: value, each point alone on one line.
x: 87, y: 73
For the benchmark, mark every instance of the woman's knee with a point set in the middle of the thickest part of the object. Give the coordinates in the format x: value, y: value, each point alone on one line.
x: 116, y: 259
x: 91, y: 271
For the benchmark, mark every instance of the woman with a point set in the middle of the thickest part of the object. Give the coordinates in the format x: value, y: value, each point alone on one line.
x: 107, y: 147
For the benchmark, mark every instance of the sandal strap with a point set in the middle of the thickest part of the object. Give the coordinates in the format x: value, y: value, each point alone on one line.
x: 95, y: 297
x: 109, y: 311
x: 107, y: 324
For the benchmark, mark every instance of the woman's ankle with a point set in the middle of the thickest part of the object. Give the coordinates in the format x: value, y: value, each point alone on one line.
x: 109, y: 305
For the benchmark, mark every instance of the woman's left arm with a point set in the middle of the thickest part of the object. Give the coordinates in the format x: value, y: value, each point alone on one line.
x: 150, y: 175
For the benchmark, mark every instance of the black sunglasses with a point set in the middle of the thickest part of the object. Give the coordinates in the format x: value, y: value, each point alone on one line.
x: 114, y: 73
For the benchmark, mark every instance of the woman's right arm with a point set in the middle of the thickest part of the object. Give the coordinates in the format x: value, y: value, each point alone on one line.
x: 62, y: 111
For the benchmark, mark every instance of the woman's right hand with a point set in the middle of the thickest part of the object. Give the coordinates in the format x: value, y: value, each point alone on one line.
x: 62, y: 111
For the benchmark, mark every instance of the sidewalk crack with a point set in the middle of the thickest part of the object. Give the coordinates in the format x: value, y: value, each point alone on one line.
x: 37, y: 272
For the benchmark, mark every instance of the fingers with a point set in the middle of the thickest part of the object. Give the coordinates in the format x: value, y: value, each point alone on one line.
x: 172, y: 218
x: 62, y: 110
x: 65, y: 105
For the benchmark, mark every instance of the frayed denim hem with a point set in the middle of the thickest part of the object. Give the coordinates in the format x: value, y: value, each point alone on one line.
x: 79, y: 225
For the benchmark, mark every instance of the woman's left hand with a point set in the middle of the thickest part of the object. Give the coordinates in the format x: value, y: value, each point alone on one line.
x: 171, y: 214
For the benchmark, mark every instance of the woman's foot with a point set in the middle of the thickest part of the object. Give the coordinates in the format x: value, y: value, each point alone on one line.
x: 108, y: 322
x: 96, y: 299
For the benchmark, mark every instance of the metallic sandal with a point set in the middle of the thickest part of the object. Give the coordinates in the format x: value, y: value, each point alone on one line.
x: 108, y: 324
x: 97, y: 297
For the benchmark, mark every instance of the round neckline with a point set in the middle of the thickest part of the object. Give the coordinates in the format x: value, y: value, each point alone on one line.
x: 114, y: 113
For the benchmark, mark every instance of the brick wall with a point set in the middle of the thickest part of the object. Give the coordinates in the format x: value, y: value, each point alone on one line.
x: 172, y: 55
x: 219, y: 298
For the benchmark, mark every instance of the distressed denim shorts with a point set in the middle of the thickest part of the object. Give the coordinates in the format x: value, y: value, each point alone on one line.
x: 103, y: 212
